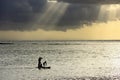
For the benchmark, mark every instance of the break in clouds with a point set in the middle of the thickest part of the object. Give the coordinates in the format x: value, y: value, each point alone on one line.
x: 28, y: 15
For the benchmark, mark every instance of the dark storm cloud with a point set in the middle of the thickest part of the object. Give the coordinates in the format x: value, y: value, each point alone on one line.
x: 17, y: 14
x: 92, y: 1
x: 78, y: 15
x: 19, y: 10
x: 39, y: 14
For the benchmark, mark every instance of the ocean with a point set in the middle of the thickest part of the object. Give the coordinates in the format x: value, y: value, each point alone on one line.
x: 69, y: 60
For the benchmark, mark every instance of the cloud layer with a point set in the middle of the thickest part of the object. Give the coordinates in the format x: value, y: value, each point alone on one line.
x: 19, y: 10
x: 92, y: 1
x: 39, y: 14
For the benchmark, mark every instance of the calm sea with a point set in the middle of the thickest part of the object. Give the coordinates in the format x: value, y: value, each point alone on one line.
x: 69, y: 60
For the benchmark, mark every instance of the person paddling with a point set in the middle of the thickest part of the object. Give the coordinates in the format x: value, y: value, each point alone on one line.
x: 42, y: 66
x: 39, y: 63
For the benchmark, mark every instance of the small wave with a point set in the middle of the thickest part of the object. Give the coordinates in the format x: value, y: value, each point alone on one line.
x: 6, y: 43
x: 17, y: 67
x: 87, y: 78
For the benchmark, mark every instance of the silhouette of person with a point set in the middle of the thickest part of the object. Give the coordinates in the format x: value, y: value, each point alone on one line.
x: 39, y: 63
x: 44, y: 63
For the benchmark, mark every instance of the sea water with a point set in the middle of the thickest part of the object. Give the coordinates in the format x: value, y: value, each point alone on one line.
x: 69, y: 60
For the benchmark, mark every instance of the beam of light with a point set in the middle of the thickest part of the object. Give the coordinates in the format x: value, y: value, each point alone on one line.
x: 113, y: 9
x: 109, y: 12
x: 102, y: 13
x: 54, y: 1
x: 42, y: 17
x: 46, y: 13
x: 52, y: 14
x: 57, y: 13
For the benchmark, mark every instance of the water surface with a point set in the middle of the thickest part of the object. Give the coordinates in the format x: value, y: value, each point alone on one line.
x: 68, y: 60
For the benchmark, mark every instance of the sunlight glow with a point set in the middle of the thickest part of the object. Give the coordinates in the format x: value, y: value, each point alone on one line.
x: 52, y: 14
x: 109, y: 12
x: 54, y: 1
x: 113, y: 9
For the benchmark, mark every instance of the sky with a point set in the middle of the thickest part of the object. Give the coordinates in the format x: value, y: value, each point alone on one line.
x: 59, y: 20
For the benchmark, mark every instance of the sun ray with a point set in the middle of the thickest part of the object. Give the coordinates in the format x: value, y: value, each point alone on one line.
x: 54, y: 1
x: 52, y: 14
x: 109, y: 12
